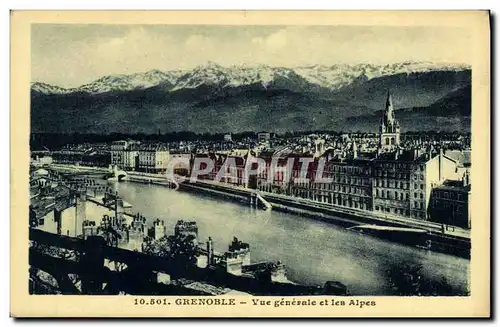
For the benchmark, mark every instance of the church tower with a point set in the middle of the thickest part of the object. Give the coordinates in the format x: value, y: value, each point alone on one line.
x: 389, y: 133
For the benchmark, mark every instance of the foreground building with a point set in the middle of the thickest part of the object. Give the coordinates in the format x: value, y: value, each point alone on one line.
x: 450, y: 203
x: 132, y: 155
x: 153, y: 158
x: 403, y: 181
x: 125, y: 154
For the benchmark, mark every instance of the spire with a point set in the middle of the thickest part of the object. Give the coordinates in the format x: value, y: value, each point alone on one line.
x: 388, y: 103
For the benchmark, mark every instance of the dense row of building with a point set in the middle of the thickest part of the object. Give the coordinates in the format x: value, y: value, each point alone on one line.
x: 421, y: 182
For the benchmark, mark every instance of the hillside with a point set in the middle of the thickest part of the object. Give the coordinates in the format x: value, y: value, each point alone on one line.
x: 212, y: 98
x: 452, y: 112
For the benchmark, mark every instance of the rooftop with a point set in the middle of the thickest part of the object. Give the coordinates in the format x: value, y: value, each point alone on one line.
x: 454, y: 185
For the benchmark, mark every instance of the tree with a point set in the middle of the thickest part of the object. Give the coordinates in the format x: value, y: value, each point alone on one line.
x: 408, y: 280
x: 180, y: 249
x: 183, y: 251
x: 33, y: 218
x: 111, y: 236
x: 405, y: 280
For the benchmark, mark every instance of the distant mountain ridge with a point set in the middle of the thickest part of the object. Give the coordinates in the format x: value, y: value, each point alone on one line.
x: 318, y: 76
x: 216, y: 99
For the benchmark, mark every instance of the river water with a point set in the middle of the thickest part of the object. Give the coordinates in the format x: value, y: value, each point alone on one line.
x: 313, y: 251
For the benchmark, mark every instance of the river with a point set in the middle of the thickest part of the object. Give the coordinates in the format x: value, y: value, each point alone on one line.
x: 313, y: 251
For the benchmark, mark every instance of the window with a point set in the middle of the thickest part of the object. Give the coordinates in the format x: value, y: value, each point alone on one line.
x: 421, y: 195
x: 383, y: 194
x: 421, y: 186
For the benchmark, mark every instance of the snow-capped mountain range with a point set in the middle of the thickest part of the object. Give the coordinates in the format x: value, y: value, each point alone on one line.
x: 211, y: 74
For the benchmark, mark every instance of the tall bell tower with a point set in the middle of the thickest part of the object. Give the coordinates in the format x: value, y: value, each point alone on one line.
x: 389, y: 132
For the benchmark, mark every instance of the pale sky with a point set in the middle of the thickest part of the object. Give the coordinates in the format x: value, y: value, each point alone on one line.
x: 71, y: 55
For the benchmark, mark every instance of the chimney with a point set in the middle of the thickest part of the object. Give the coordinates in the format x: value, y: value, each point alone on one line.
x: 81, y: 215
x: 119, y: 210
x: 440, y: 164
x: 466, y: 179
x: 210, y: 251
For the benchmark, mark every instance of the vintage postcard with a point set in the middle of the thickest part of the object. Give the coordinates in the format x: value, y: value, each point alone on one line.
x: 250, y: 164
